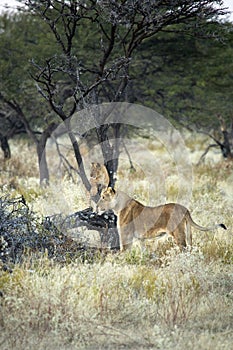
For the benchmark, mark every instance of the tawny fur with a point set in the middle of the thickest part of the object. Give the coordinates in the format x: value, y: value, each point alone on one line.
x: 136, y: 221
x: 99, y: 180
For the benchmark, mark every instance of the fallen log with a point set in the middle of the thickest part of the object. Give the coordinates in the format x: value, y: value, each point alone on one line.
x: 105, y: 224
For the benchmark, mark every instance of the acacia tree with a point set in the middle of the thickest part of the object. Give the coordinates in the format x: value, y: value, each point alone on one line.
x: 188, y: 80
x: 21, y: 110
x: 69, y: 82
x: 10, y: 126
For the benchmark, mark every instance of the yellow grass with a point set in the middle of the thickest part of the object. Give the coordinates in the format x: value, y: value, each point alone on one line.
x: 147, y: 299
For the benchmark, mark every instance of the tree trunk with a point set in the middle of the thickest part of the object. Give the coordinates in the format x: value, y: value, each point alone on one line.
x: 78, y: 156
x: 116, y: 149
x: 225, y: 147
x: 107, y: 151
x: 43, y: 166
x: 41, y: 153
x: 5, y: 146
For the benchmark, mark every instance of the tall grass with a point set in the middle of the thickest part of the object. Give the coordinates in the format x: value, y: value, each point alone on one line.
x: 114, y: 304
x: 150, y: 299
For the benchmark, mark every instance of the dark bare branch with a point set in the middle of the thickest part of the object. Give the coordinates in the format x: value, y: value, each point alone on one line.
x: 205, y: 153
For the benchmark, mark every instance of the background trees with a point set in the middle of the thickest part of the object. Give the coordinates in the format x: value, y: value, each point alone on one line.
x: 88, y: 53
x: 189, y: 81
x: 120, y: 28
x: 22, y: 39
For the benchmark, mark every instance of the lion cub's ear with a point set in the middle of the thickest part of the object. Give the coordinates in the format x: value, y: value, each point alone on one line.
x: 111, y: 190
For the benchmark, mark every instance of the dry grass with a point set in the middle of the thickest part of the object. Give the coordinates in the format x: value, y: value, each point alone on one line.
x: 147, y: 299
x: 116, y: 304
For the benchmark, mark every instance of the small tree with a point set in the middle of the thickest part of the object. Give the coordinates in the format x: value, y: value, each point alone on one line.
x: 21, y: 110
x: 69, y: 82
x: 222, y: 140
x: 10, y: 126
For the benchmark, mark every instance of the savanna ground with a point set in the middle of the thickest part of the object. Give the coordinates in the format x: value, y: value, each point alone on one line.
x: 146, y: 299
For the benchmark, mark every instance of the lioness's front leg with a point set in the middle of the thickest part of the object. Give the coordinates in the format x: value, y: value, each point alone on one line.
x: 126, y: 237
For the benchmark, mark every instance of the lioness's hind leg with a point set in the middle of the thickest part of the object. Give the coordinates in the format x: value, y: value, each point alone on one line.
x: 188, y: 235
x: 180, y: 238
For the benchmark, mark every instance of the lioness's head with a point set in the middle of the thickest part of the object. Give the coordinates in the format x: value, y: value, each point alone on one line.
x: 110, y: 199
x: 107, y: 200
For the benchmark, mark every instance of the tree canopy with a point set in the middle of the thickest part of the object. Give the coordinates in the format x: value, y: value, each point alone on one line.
x: 59, y: 56
x: 188, y: 78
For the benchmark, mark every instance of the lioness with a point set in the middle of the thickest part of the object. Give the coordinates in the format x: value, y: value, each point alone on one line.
x: 99, y: 180
x: 134, y: 220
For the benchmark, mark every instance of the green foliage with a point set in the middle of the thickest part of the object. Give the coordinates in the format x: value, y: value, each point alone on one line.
x: 86, y: 54
x: 23, y: 39
x: 187, y: 78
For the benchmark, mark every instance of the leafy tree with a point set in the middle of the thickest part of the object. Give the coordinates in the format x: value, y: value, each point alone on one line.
x: 89, y: 56
x: 69, y: 81
x: 23, y: 38
x: 189, y: 80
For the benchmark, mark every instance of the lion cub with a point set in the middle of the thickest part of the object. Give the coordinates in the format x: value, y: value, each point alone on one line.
x: 134, y: 220
x: 99, y: 180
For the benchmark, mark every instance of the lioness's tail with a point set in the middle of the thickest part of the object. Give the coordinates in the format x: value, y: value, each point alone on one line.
x: 201, y: 228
